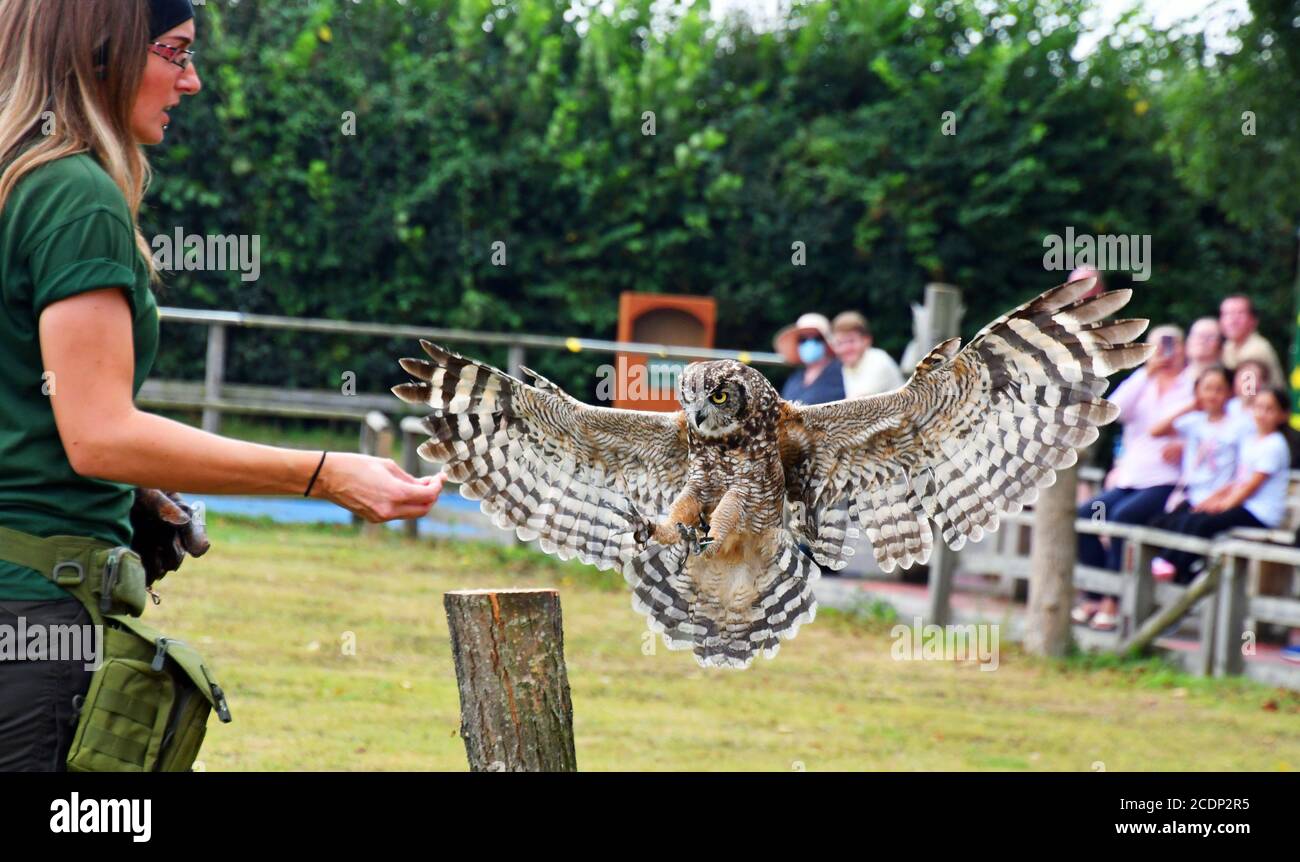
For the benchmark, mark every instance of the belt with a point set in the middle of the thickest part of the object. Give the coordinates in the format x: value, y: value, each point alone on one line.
x: 106, y: 578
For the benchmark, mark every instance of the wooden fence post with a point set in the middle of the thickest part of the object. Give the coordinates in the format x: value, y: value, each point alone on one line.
x: 1232, y: 617
x: 515, y: 711
x: 1209, y: 616
x: 515, y: 361
x: 1051, y: 567
x: 1139, y: 598
x: 213, y: 374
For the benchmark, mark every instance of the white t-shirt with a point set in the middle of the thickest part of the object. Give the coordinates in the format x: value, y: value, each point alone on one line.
x: 1272, y: 456
x: 1209, y: 451
x: 875, y: 372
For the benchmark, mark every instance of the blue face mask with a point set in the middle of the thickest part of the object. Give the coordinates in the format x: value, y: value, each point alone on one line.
x: 811, y: 351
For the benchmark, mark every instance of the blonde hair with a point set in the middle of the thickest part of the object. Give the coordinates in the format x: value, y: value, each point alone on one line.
x: 69, y: 73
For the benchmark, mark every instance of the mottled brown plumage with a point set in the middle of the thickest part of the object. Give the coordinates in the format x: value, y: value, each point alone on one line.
x: 705, y: 510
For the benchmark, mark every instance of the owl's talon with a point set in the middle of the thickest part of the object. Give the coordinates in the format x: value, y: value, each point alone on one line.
x: 641, y: 529
x: 689, y: 537
x: 695, y: 544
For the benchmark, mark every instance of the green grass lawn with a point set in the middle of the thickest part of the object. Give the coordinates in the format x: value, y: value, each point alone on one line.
x: 273, y: 606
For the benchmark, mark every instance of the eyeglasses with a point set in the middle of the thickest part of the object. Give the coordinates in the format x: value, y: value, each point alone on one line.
x: 177, y: 56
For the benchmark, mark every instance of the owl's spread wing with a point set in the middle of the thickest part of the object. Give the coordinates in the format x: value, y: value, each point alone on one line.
x: 581, y: 479
x: 972, y: 435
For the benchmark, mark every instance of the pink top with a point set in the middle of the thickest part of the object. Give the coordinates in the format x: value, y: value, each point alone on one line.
x: 1141, y: 406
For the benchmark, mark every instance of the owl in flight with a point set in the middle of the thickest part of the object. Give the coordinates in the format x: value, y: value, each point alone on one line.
x: 720, y: 515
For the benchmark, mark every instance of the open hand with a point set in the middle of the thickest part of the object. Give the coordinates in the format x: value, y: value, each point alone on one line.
x: 376, y: 489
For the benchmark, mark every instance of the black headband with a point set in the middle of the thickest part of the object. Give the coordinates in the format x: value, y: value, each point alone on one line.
x: 166, y: 14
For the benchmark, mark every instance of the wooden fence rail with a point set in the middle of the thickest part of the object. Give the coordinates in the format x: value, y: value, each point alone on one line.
x: 214, y: 396
x: 1229, y: 613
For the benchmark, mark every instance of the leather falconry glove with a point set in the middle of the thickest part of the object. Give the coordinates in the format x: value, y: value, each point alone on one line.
x: 164, y: 532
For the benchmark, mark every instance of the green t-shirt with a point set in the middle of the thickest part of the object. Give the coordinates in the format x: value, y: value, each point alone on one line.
x: 65, y: 230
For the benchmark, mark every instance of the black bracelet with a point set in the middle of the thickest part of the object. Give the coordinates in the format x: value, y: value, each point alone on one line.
x: 307, y: 493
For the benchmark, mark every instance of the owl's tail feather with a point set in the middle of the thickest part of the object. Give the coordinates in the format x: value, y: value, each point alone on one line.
x: 726, y: 612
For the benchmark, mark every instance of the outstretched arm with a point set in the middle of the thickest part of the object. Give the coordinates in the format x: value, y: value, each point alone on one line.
x: 86, y: 342
x: 1165, y: 427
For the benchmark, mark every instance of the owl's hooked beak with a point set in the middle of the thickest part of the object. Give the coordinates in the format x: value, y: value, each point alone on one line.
x: 696, y: 413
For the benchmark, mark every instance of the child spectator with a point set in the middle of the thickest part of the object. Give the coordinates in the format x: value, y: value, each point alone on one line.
x: 1257, y: 495
x: 1211, y: 443
x: 1249, y: 377
x: 1211, y: 439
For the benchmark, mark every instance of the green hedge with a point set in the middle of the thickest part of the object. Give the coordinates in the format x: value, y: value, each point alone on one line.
x: 519, y: 122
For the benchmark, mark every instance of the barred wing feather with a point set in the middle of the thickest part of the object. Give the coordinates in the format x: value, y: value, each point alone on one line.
x: 584, y: 481
x: 974, y: 434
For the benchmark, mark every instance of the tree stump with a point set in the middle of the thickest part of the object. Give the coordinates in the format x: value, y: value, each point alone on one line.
x: 1051, y: 567
x: 515, y: 711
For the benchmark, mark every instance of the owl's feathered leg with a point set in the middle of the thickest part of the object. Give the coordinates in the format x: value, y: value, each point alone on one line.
x: 723, y: 522
x: 685, y: 510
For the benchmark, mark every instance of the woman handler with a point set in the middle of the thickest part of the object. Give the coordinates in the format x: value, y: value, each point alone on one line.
x: 83, y: 84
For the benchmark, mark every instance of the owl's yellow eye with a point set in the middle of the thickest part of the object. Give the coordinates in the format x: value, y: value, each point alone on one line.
x: 718, y: 398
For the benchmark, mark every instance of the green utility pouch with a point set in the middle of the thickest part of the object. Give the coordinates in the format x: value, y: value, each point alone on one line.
x: 121, y: 584
x: 149, y: 700
x: 148, y: 705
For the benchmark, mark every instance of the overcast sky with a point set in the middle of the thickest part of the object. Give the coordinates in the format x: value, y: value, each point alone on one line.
x: 1212, y: 16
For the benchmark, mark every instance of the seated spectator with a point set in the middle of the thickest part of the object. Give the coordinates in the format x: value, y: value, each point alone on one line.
x: 1256, y: 497
x: 1204, y: 344
x: 820, y: 379
x: 1210, y: 437
x: 1146, y: 469
x: 1241, y: 341
x: 1211, y: 442
x: 868, y: 370
x: 1249, y: 377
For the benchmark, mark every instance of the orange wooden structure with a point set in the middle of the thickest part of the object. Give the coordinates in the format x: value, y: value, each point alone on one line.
x: 650, y: 382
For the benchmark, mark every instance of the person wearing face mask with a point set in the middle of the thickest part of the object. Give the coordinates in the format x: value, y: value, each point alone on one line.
x: 808, y: 344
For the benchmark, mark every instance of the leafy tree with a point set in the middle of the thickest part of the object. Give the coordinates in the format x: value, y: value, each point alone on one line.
x: 526, y: 123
